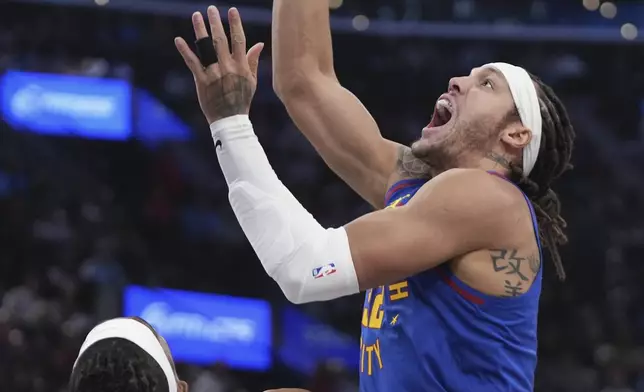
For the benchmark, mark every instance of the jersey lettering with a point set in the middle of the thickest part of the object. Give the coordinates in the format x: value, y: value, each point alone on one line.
x: 370, y: 357
x: 398, y: 202
x: 398, y: 291
x: 374, y: 314
x: 373, y: 317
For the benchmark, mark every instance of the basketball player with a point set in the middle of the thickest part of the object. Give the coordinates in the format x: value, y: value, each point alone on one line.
x: 125, y: 355
x: 452, y: 266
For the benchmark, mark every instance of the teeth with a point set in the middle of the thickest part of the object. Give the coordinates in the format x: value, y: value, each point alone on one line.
x: 444, y: 103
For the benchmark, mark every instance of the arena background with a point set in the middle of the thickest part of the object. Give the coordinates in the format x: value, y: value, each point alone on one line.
x: 110, y: 192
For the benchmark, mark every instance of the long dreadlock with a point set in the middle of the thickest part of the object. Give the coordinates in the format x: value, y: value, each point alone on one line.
x: 557, y: 141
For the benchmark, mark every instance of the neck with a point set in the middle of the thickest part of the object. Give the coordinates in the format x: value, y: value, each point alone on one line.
x: 491, y: 161
x: 495, y: 162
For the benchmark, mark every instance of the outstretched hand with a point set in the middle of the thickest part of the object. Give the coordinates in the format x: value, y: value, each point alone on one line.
x: 225, y: 88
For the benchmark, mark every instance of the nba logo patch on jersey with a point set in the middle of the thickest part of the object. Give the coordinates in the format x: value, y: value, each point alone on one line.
x: 325, y: 270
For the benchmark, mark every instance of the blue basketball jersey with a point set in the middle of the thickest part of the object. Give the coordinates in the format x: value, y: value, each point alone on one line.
x: 433, y: 333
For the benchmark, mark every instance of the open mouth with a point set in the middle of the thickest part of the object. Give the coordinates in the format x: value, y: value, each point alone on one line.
x: 442, y: 113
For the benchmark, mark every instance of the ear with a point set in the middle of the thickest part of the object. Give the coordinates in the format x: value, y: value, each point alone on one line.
x: 516, y: 136
x: 182, y: 386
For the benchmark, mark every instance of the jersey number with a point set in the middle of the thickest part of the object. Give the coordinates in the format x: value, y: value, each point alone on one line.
x: 372, y: 314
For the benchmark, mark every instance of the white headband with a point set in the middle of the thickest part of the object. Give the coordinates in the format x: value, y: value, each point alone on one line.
x: 137, y: 333
x: 526, y: 100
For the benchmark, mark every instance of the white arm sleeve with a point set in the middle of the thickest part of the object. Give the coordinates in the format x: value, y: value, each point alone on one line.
x: 308, y: 262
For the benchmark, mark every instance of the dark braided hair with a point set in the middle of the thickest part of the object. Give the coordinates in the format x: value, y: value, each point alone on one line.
x: 557, y: 141
x: 117, y: 364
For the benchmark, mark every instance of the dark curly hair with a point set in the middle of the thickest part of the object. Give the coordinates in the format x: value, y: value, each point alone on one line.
x: 116, y: 364
x: 557, y: 140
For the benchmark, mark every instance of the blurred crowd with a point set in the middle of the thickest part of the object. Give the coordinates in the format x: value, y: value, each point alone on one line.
x: 82, y: 218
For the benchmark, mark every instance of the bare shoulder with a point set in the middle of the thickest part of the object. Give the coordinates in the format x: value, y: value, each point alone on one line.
x: 469, y: 186
x: 472, y: 197
x: 487, y: 216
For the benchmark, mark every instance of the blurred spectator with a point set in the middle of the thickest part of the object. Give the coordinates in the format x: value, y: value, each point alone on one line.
x: 81, y: 218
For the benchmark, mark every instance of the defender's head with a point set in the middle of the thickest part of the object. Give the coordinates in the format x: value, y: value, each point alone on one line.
x: 125, y: 355
x: 499, y: 110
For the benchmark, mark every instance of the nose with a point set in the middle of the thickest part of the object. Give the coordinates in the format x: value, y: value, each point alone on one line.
x: 456, y: 85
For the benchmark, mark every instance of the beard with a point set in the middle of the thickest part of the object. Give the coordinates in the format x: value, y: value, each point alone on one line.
x: 434, y: 156
x: 464, y: 144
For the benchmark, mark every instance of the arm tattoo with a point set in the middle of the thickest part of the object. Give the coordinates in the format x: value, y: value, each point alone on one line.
x: 534, y: 262
x: 507, y: 260
x: 408, y: 166
x: 228, y: 96
x: 513, y: 290
x: 498, y: 159
x: 509, y: 263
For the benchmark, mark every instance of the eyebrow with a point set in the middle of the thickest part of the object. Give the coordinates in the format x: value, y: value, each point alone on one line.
x: 493, y: 72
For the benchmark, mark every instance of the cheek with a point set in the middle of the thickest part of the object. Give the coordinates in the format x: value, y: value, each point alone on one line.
x: 475, y: 114
x: 483, y: 107
x: 478, y: 125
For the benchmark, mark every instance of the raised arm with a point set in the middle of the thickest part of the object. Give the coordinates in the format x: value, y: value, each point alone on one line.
x: 331, y: 117
x: 450, y: 216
